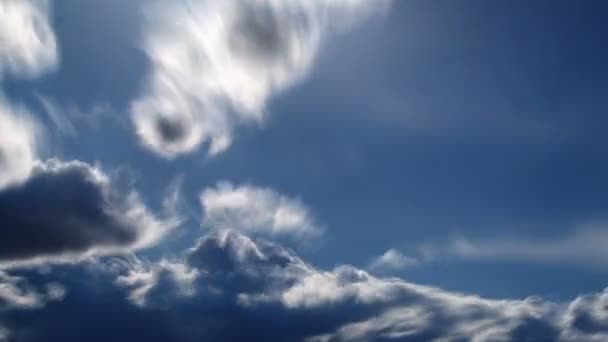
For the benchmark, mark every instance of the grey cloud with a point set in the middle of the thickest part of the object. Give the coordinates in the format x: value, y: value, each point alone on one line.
x: 257, y: 275
x: 68, y: 210
x: 228, y: 280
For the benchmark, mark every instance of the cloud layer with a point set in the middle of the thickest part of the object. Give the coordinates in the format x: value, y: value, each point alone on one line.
x: 228, y: 280
x: 216, y: 64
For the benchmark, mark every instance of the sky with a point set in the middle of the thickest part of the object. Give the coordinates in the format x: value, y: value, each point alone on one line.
x: 303, y: 170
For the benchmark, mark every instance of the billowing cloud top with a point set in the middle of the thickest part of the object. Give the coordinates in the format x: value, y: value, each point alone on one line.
x: 27, y: 43
x: 216, y: 64
x: 257, y: 210
x: 228, y: 280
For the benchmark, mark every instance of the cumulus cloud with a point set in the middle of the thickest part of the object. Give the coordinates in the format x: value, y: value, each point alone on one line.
x: 256, y: 210
x: 70, y: 209
x: 28, y: 46
x: 215, y: 64
x: 229, y: 280
x: 392, y: 260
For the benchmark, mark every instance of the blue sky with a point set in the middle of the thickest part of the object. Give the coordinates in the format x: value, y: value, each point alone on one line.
x: 452, y: 144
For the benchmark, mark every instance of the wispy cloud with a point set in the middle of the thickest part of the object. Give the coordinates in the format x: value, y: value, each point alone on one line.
x: 216, y: 64
x: 392, y: 260
x: 28, y: 45
x: 584, y: 246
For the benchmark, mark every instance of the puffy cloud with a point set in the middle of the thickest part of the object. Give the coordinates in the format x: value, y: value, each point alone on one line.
x: 392, y: 260
x: 216, y: 64
x: 228, y: 280
x: 68, y: 210
x: 256, y: 210
x: 18, y: 144
x: 27, y: 42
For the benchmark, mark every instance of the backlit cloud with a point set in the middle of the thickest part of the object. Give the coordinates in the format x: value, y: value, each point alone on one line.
x: 216, y: 64
x: 256, y: 210
x: 28, y: 45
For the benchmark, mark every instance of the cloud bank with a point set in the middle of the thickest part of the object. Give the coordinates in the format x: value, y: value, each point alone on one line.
x: 215, y: 64
x: 228, y: 280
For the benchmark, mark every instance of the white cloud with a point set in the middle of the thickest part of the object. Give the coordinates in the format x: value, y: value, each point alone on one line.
x: 392, y: 260
x: 256, y: 210
x: 18, y: 144
x: 16, y: 293
x: 28, y: 46
x: 584, y: 246
x: 216, y: 64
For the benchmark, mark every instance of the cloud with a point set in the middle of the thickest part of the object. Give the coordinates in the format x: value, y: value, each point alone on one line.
x: 57, y: 211
x: 216, y: 64
x: 28, y: 46
x: 229, y: 280
x: 256, y: 210
x: 392, y: 260
x: 68, y: 210
x: 18, y: 144
x: 583, y: 246
x: 16, y: 293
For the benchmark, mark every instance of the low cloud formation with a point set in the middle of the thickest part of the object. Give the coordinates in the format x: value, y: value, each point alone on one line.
x: 228, y: 280
x: 392, y: 260
x: 216, y: 64
x: 28, y: 45
x: 256, y: 210
x: 68, y: 210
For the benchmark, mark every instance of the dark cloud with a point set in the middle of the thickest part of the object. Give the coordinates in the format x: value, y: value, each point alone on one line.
x: 70, y: 208
x: 171, y: 130
x: 231, y: 288
x: 259, y: 33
